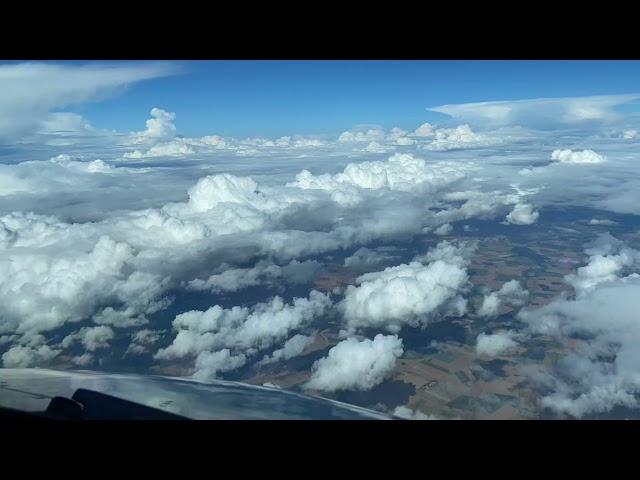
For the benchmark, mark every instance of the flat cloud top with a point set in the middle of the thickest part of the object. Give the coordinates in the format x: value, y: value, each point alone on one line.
x: 539, y: 112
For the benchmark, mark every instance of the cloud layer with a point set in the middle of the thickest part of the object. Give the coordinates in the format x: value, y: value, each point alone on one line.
x: 101, y: 232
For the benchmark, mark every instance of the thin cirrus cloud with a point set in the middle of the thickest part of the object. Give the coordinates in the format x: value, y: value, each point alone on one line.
x: 540, y: 113
x: 29, y: 92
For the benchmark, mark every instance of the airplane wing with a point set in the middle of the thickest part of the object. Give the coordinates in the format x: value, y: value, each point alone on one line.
x: 99, y: 395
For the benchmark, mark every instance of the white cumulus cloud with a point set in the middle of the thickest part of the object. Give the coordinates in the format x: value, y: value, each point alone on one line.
x: 356, y: 365
x: 408, y: 414
x: 424, y: 130
x: 243, y: 331
x: 291, y: 348
x: 495, y: 344
x: 584, y: 156
x: 461, y: 136
x: 522, y: 214
x: 511, y: 293
x: 408, y: 293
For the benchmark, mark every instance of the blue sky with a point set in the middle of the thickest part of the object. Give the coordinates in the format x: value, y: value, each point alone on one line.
x: 272, y: 98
